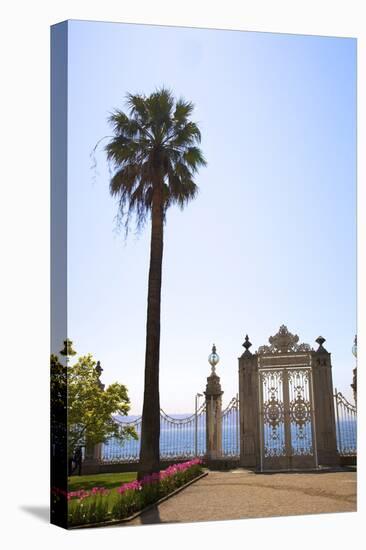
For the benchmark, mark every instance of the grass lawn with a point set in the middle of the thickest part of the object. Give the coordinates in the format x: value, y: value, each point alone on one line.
x: 109, y: 481
x: 102, y: 507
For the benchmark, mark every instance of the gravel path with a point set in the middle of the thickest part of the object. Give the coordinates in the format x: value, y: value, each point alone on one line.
x: 243, y: 494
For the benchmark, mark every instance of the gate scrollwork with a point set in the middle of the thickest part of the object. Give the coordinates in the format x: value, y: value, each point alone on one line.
x: 287, y: 414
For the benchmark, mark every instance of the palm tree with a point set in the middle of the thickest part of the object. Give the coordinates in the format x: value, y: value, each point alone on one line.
x: 155, y: 155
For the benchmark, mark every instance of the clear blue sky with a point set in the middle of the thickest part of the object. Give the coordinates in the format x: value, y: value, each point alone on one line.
x: 271, y: 237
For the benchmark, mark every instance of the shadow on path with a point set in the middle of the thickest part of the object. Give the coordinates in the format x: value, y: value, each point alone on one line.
x: 40, y: 512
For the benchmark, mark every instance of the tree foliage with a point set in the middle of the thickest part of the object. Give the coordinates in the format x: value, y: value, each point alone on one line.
x: 91, y: 408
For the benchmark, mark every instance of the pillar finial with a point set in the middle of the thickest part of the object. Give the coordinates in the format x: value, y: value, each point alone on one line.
x: 320, y: 340
x: 354, y: 347
x: 247, y: 344
x: 99, y: 370
x: 68, y: 349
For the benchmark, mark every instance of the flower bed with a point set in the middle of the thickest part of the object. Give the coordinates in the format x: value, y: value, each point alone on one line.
x: 101, y: 505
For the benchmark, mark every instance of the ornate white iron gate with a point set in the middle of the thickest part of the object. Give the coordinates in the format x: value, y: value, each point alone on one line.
x: 286, y: 417
x: 346, y: 419
x: 230, y: 425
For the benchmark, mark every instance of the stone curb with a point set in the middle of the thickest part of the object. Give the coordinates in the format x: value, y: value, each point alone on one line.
x: 112, y: 523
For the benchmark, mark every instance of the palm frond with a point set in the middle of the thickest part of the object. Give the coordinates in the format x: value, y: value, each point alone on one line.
x: 194, y: 158
x: 183, y: 109
x: 154, y: 143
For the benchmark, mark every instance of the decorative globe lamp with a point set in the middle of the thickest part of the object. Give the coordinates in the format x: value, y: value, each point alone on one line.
x: 213, y: 359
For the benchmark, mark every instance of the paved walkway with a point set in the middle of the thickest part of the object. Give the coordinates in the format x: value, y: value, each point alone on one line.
x: 242, y: 494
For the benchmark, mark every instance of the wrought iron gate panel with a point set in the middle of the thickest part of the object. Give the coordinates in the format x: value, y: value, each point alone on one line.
x: 300, y: 411
x: 346, y: 419
x: 230, y: 429
x: 272, y: 408
x: 180, y: 438
x: 286, y: 418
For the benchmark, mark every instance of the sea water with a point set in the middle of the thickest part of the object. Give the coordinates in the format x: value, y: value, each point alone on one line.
x: 182, y: 442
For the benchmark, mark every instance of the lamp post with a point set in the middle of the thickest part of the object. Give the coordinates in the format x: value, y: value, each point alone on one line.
x: 196, y: 400
x: 213, y: 359
x: 354, y: 383
x: 213, y: 395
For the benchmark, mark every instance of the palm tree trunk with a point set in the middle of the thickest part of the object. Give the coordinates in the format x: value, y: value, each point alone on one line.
x: 150, y: 428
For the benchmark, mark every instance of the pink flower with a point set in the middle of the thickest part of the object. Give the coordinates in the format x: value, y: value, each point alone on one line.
x: 81, y: 494
x: 132, y: 486
x: 99, y: 491
x: 155, y: 477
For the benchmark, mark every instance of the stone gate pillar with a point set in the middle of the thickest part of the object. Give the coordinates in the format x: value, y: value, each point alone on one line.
x: 93, y: 453
x: 213, y: 396
x: 325, y: 425
x: 354, y: 381
x: 248, y: 403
